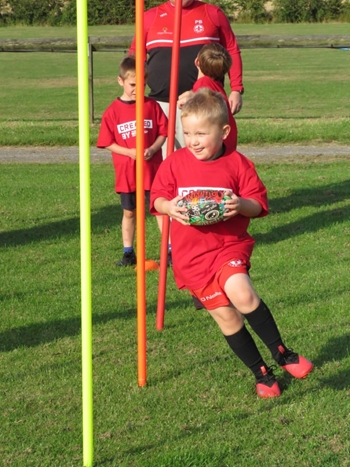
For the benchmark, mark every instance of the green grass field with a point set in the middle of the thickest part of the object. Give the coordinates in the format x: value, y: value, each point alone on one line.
x: 30, y: 32
x: 292, y: 95
x: 199, y: 408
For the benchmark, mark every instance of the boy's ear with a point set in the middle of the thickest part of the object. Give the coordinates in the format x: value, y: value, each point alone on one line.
x: 120, y: 81
x: 225, y: 131
x: 196, y: 62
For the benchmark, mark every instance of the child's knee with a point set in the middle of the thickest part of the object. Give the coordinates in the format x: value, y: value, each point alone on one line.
x: 241, y: 294
x: 129, y: 214
x: 246, y: 300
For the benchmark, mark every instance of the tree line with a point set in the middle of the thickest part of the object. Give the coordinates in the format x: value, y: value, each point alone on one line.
x: 109, y: 12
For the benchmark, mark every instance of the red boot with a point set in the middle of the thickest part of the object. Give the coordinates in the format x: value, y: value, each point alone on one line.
x: 266, y: 384
x: 295, y: 364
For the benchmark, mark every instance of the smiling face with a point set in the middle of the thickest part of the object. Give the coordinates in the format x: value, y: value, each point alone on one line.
x: 203, y: 137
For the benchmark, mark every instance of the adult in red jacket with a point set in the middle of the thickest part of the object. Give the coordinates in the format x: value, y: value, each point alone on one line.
x: 201, y: 24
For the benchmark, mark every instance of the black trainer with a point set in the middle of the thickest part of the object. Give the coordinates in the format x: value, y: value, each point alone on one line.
x: 266, y: 384
x: 128, y: 259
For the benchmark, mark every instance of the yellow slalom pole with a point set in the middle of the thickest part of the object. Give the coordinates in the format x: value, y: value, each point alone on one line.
x: 85, y: 231
x: 140, y: 196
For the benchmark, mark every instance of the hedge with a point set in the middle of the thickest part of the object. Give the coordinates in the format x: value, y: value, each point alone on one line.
x: 104, y: 12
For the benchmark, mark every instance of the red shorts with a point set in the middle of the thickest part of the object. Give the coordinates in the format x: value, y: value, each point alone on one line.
x: 213, y: 294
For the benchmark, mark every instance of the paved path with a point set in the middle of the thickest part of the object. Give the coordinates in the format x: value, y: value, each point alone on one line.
x: 287, y: 153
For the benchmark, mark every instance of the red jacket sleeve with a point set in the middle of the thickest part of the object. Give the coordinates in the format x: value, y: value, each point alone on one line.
x: 228, y: 40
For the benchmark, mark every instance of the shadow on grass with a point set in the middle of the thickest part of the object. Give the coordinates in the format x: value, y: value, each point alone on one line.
x: 103, y: 219
x: 335, y: 350
x: 36, y: 334
x: 322, y: 196
x: 111, y: 215
x: 312, y: 223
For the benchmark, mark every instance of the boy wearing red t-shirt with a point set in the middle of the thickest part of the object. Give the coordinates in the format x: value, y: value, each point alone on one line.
x: 213, y: 63
x: 118, y: 134
x: 212, y: 261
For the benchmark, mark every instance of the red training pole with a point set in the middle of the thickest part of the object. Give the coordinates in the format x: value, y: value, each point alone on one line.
x: 140, y: 204
x: 174, y: 80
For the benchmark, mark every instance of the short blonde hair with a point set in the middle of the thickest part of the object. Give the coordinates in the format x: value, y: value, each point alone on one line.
x: 127, y: 67
x: 214, y: 61
x: 208, y: 105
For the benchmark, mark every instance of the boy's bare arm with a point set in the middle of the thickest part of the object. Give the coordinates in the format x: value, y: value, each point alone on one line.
x: 149, y: 152
x: 235, y: 101
x: 128, y: 152
x: 171, y: 209
x: 246, y: 206
x: 183, y: 98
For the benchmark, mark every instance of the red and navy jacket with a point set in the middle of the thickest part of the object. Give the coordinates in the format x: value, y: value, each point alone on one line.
x: 201, y: 23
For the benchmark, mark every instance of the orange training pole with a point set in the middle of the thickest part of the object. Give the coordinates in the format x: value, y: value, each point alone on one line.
x: 140, y: 202
x: 170, y: 148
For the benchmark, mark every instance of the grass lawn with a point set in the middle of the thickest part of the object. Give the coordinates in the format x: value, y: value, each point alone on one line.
x: 199, y: 408
x: 292, y: 95
x: 32, y: 32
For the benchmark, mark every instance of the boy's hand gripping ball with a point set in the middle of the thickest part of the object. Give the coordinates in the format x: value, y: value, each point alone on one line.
x: 205, y: 207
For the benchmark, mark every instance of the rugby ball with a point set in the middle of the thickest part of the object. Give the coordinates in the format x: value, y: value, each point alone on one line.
x: 204, y: 207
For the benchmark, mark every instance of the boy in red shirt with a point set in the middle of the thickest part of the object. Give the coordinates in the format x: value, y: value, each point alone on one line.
x: 118, y: 134
x: 213, y: 62
x: 213, y: 261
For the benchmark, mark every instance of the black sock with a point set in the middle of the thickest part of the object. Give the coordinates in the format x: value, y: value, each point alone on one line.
x: 263, y: 323
x: 246, y: 350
